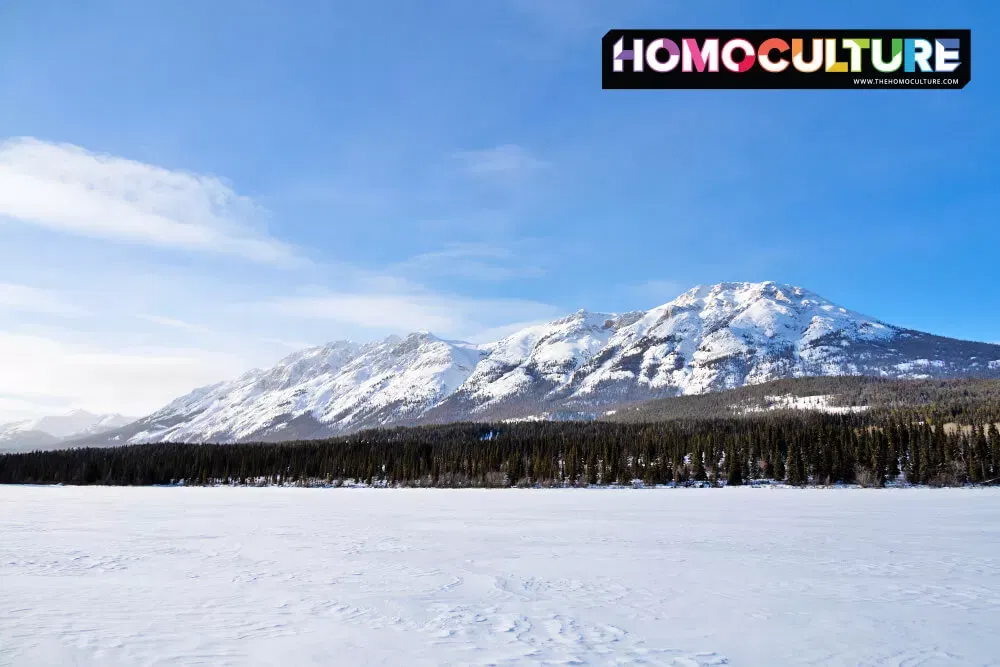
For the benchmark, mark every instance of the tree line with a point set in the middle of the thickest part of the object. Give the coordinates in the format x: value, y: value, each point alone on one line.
x: 798, y: 449
x: 966, y: 401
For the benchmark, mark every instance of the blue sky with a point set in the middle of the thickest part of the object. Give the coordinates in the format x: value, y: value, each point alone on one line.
x: 189, y: 189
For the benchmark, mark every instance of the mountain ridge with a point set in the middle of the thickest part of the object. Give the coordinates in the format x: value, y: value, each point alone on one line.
x: 50, y: 431
x: 710, y: 338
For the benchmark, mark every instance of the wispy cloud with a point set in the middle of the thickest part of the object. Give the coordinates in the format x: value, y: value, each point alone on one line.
x: 507, y: 159
x: 445, y: 315
x: 28, y: 299
x: 16, y: 408
x: 100, y: 378
x: 69, y: 189
x: 470, y: 261
x: 175, y: 324
x: 130, y: 353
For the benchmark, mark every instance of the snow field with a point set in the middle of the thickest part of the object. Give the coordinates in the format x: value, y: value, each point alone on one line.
x: 284, y: 576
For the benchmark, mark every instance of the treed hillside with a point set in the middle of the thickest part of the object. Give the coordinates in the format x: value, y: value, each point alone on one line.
x: 806, y: 448
x: 966, y: 401
x: 921, y: 432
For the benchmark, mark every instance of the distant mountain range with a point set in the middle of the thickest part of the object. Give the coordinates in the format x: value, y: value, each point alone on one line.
x: 580, y: 366
x: 51, y: 432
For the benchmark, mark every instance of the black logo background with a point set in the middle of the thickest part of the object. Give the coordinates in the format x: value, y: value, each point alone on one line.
x: 757, y: 77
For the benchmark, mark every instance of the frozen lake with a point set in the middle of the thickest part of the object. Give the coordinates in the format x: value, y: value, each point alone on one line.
x: 215, y: 576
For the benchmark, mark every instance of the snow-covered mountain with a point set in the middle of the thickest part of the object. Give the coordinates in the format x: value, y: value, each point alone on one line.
x: 709, y: 338
x: 46, y: 432
x: 334, y: 388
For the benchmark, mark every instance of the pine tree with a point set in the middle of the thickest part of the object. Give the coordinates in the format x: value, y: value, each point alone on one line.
x: 796, y: 468
x: 973, y: 447
x: 698, y: 466
x: 735, y: 472
x: 914, y: 463
x: 779, y: 461
x: 879, y: 457
x: 982, y: 451
x: 571, y: 473
x: 892, y: 462
x: 994, y: 438
x: 713, y: 469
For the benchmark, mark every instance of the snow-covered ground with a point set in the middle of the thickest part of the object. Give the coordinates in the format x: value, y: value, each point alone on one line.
x: 215, y: 576
x: 820, y: 403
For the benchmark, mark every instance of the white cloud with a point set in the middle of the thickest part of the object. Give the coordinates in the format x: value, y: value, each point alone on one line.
x: 109, y: 362
x: 131, y: 381
x: 470, y: 261
x: 444, y: 315
x: 28, y: 299
x: 66, y: 188
x: 501, y: 160
x: 175, y: 324
x: 14, y: 409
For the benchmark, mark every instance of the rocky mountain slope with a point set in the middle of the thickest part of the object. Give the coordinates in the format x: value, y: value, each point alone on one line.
x: 708, y: 339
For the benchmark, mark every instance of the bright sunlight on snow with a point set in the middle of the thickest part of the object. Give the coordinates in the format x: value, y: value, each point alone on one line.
x: 184, y: 576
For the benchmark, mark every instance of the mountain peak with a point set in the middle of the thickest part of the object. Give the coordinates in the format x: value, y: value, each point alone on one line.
x: 422, y: 335
x: 709, y: 338
x: 580, y: 316
x: 766, y: 288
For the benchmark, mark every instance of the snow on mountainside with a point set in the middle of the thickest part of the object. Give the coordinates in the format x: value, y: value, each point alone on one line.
x: 49, y: 431
x: 341, y: 386
x: 708, y: 339
x: 531, y: 364
x: 728, y: 335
